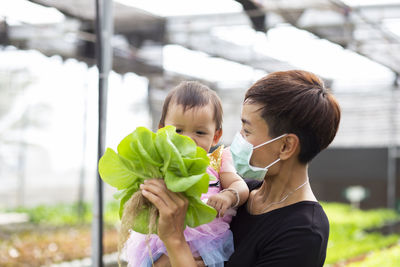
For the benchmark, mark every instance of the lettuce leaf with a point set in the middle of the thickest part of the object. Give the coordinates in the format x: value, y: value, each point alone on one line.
x: 167, y: 155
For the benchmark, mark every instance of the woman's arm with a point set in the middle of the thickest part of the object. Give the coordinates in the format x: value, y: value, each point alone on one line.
x: 172, y: 209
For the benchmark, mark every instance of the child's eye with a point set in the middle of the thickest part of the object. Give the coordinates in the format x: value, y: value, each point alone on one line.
x: 200, y: 133
x: 178, y: 130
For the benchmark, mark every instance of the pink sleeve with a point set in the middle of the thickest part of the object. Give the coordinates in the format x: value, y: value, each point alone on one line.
x: 226, y: 161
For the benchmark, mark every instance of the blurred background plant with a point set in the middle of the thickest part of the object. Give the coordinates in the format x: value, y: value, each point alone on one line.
x: 49, y: 107
x: 55, y: 233
x: 350, y: 237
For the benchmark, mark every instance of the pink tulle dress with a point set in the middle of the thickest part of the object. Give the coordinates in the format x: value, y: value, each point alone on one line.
x: 212, y: 241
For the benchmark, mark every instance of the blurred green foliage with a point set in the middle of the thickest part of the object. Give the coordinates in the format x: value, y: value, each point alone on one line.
x: 387, y: 257
x: 68, y: 214
x: 348, y: 237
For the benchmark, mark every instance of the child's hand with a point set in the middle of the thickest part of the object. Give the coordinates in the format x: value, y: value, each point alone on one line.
x: 222, y: 202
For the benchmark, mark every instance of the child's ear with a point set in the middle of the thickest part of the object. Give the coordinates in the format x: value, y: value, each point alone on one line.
x: 217, y: 136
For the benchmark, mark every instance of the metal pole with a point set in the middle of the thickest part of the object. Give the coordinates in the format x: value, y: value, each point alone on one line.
x: 23, y: 149
x: 391, y: 176
x: 104, y: 58
x: 82, y: 175
x: 97, y: 224
x: 392, y: 150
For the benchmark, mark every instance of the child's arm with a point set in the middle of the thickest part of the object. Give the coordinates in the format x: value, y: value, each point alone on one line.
x: 230, y: 180
x: 229, y: 198
x: 236, y: 191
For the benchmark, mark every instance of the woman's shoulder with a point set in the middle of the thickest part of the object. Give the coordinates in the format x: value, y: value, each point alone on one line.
x: 301, y: 229
x: 307, y: 210
x: 306, y: 215
x: 298, y: 220
x: 253, y: 184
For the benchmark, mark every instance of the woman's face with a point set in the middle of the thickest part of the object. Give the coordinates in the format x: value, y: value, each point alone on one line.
x: 255, y: 130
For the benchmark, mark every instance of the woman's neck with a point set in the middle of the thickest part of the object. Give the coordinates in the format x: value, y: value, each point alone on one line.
x: 290, y: 186
x: 276, y: 186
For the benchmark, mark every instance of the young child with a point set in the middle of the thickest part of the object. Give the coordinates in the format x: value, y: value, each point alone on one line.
x: 196, y: 111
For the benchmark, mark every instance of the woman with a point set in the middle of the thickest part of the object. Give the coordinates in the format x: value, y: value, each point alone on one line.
x: 287, y: 119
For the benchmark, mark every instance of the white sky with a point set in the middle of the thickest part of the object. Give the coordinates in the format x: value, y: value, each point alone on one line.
x: 393, y: 25
x: 227, y: 74
x: 167, y: 8
x: 17, y: 11
x: 299, y: 48
x: 369, y: 2
x: 304, y: 50
x: 59, y: 86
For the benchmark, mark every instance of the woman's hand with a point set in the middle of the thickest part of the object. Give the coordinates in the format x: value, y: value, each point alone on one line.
x: 171, y: 206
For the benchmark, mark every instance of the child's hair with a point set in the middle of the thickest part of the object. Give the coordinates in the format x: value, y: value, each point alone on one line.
x: 191, y: 94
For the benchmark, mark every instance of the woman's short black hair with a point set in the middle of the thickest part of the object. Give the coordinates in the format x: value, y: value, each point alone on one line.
x: 297, y: 102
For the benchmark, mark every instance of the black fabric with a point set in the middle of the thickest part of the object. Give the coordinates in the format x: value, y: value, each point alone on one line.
x: 295, y: 235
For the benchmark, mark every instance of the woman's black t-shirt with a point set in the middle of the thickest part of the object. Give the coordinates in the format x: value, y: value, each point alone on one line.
x: 295, y: 235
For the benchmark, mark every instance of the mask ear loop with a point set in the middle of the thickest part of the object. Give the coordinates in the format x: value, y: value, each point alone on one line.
x: 265, y: 168
x: 272, y: 163
x: 276, y: 138
x: 270, y: 141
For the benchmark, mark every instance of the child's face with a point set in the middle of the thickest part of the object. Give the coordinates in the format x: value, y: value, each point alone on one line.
x: 197, y: 123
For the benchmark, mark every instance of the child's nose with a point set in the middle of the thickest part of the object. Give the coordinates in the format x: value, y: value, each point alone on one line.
x: 192, y: 136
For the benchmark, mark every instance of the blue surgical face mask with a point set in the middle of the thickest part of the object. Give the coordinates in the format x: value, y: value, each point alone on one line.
x: 241, y: 154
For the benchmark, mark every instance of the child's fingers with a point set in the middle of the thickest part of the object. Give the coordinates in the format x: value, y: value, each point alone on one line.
x: 224, y: 208
x: 222, y: 211
x: 211, y: 202
x: 218, y: 205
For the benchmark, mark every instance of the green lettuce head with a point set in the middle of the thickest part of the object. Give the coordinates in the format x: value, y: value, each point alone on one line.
x: 167, y: 155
